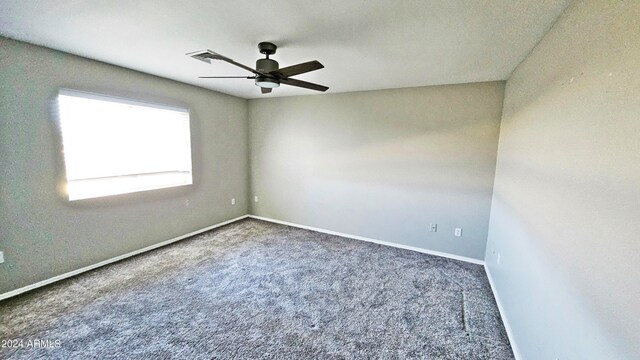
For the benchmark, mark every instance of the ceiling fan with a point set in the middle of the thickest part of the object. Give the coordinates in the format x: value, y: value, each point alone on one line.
x: 266, y: 74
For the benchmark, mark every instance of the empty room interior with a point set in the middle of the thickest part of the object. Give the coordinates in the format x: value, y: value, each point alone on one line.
x: 297, y: 179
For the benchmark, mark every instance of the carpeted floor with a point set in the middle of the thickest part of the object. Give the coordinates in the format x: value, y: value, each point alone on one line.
x: 253, y: 290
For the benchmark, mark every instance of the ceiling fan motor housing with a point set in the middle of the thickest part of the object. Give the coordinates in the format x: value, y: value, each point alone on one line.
x: 266, y: 66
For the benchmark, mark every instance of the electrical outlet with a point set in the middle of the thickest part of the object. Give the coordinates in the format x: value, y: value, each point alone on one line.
x: 433, y: 227
x: 1, y: 257
x: 458, y: 232
x: 498, y: 259
x: 255, y: 198
x: 233, y: 201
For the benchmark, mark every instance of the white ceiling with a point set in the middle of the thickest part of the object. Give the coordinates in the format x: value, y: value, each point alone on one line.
x: 364, y: 44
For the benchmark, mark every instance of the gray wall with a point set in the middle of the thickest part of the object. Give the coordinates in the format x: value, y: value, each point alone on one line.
x: 41, y: 233
x: 565, y: 217
x: 381, y: 164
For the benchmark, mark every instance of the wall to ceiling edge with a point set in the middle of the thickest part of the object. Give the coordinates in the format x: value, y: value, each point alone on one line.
x: 563, y: 246
x: 452, y: 129
x: 42, y: 234
x: 563, y: 210
x: 372, y: 164
x: 381, y: 164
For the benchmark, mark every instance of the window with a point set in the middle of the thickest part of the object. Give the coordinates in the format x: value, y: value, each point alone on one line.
x: 117, y: 146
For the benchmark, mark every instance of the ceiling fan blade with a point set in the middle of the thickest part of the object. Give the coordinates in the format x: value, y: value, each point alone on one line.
x: 298, y: 69
x: 303, y: 84
x: 265, y: 90
x: 226, y: 77
x: 208, y: 55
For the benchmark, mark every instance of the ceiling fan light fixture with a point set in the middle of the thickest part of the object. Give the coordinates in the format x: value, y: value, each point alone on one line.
x: 267, y: 82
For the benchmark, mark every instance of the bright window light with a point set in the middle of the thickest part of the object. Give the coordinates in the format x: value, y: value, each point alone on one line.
x: 117, y: 146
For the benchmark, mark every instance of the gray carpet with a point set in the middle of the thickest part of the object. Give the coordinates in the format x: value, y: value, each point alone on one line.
x: 253, y: 290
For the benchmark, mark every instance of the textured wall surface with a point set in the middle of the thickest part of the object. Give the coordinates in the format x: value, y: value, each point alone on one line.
x: 566, y: 205
x: 381, y: 164
x: 41, y: 233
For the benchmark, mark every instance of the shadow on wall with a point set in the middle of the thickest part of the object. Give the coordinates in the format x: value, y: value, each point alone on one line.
x: 381, y: 164
x: 440, y: 145
x: 436, y: 160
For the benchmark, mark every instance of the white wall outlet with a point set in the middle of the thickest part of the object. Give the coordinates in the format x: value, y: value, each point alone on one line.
x: 457, y: 232
x: 433, y: 227
x: 1, y: 257
x: 186, y: 203
x: 233, y: 201
x: 255, y: 198
x: 498, y: 259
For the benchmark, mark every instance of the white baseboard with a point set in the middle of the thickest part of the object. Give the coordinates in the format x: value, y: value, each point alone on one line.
x: 503, y: 315
x: 362, y: 238
x: 112, y: 260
